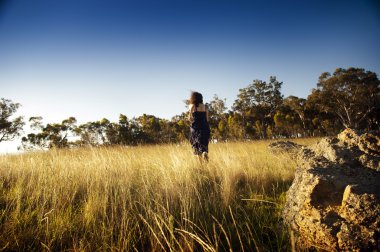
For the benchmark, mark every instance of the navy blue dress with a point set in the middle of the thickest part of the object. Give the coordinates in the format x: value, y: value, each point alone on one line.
x: 199, y: 132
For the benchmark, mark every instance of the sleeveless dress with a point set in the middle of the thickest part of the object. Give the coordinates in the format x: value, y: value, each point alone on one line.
x: 199, y: 132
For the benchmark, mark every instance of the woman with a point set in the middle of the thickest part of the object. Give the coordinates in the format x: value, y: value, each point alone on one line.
x: 199, y: 127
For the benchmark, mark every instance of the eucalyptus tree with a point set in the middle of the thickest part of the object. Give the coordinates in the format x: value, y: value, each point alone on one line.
x: 10, y: 128
x: 257, y: 104
x: 52, y: 135
x: 217, y: 117
x: 351, y: 94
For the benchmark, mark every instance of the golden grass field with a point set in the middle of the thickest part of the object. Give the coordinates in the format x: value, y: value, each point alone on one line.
x: 148, y: 198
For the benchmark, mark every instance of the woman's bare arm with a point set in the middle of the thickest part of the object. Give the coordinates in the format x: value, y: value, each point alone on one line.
x: 206, y: 113
x: 190, y: 116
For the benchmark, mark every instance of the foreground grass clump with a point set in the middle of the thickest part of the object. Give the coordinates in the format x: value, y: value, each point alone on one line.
x: 152, y: 198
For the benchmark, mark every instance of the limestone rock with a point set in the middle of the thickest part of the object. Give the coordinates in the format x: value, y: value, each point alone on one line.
x: 334, y: 201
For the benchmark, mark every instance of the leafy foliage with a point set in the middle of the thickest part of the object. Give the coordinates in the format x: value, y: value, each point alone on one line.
x: 9, y: 128
x: 50, y: 136
x: 352, y: 94
x: 257, y: 104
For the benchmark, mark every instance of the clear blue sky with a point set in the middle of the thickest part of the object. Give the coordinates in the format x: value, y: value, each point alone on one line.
x: 92, y: 59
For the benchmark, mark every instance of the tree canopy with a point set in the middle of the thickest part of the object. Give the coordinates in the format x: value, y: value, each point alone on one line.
x: 9, y: 128
x: 351, y: 94
x: 257, y: 104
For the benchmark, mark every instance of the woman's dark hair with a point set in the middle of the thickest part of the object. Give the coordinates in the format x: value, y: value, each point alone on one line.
x: 196, y: 98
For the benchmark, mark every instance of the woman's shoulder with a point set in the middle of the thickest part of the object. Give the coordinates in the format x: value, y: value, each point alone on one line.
x: 202, y: 107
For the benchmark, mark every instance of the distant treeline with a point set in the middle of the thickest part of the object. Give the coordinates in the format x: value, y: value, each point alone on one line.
x: 347, y: 98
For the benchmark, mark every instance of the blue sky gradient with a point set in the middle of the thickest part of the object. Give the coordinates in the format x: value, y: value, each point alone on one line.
x: 95, y: 59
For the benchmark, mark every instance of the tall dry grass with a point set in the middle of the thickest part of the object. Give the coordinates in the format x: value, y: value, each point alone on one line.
x: 151, y: 198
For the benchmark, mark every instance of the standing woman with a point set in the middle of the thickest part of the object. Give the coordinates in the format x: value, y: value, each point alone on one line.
x: 199, y: 127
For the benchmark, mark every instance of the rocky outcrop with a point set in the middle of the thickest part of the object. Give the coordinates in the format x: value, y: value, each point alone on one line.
x: 281, y: 147
x: 334, y: 201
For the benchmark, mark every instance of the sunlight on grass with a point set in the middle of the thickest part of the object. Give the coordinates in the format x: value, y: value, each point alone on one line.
x: 158, y: 198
